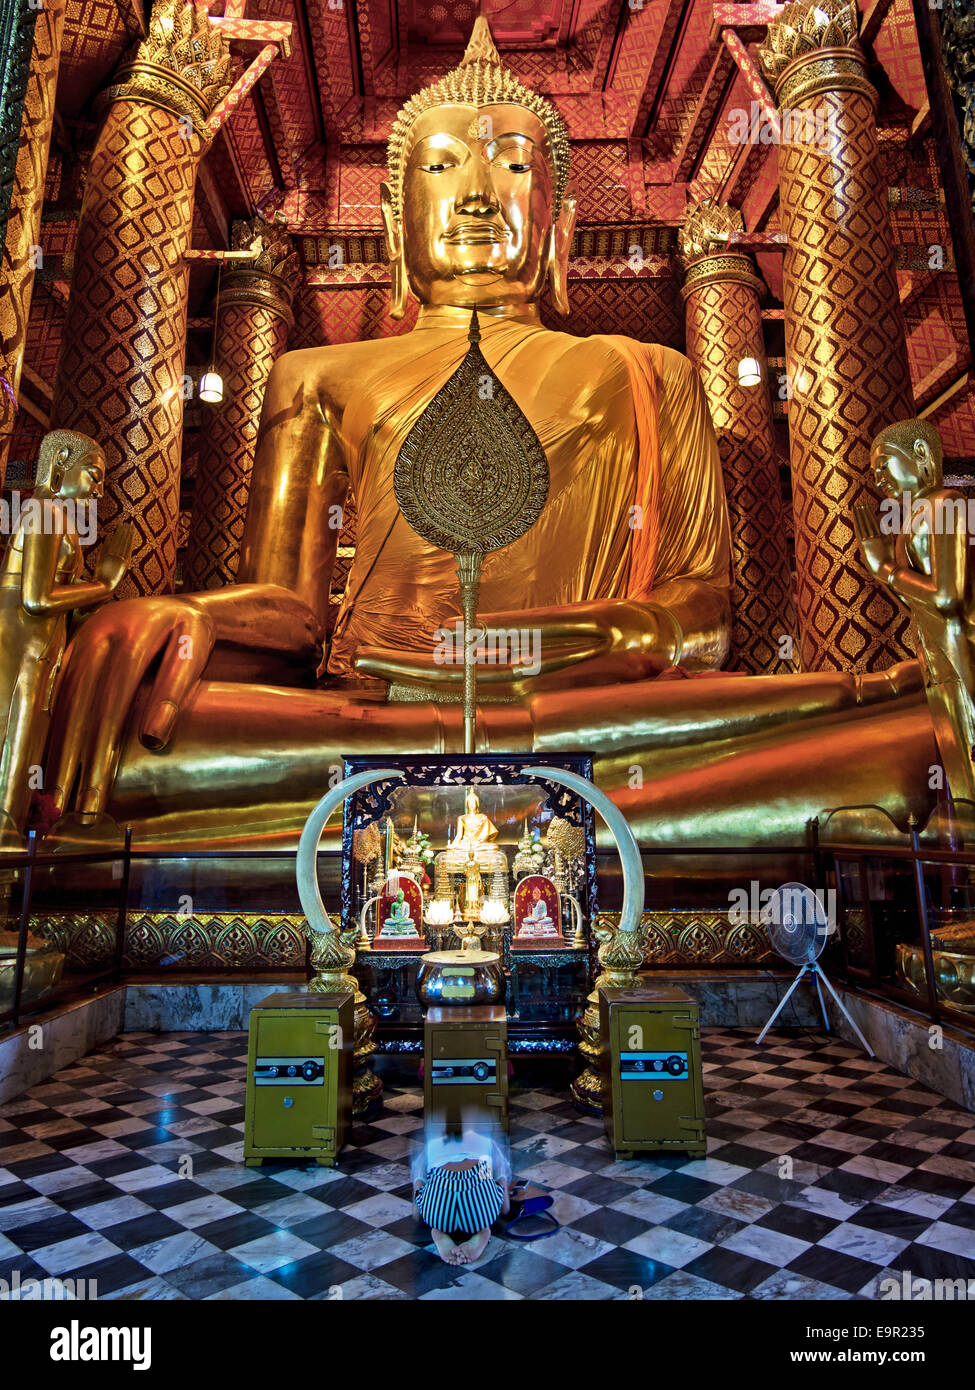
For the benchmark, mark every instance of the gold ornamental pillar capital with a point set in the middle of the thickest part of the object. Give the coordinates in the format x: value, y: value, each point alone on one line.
x: 270, y: 279
x: 703, y: 247
x: 182, y: 66
x: 707, y: 227
x: 812, y: 47
x: 735, y: 266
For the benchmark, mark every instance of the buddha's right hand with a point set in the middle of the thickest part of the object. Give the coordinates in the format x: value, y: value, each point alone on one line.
x: 103, y: 670
x: 113, y: 653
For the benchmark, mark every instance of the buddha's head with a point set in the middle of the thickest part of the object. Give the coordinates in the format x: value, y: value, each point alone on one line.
x: 471, y: 802
x: 476, y: 210
x: 907, y: 457
x: 70, y: 465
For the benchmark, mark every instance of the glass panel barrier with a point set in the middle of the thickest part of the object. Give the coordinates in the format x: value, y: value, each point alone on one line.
x: 71, y: 942
x: 220, y: 912
x: 950, y: 902
x: 855, y: 924
x: 11, y: 902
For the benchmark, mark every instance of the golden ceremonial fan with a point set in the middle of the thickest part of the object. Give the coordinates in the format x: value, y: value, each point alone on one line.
x: 471, y: 477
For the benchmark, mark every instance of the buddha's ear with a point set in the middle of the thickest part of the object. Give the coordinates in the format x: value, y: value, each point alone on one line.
x: 558, y: 253
x: 57, y: 472
x: 394, y: 248
x: 51, y: 464
x: 926, y: 466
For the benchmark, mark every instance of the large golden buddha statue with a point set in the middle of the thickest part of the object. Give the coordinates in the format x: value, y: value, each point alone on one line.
x: 197, y: 717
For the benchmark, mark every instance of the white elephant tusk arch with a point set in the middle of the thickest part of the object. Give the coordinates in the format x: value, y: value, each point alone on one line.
x: 306, y: 860
x: 626, y: 845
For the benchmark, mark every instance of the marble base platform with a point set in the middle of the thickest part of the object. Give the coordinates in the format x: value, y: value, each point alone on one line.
x: 188, y: 1007
x: 728, y: 999
x: 944, y: 1061
x: 742, y: 998
x: 942, y: 1058
x: 45, y: 1043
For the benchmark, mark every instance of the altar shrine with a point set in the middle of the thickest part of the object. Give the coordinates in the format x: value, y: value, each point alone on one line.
x: 473, y: 816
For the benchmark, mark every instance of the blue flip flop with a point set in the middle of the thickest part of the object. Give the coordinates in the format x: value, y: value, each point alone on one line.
x: 534, y: 1209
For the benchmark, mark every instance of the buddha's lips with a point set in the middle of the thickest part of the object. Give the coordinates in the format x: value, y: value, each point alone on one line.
x: 475, y: 236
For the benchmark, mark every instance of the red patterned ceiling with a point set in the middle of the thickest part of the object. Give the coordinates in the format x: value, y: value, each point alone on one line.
x: 647, y: 95
x: 96, y: 34
x: 513, y: 22
x: 621, y: 71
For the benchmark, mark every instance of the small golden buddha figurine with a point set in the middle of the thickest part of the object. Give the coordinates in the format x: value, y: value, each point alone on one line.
x: 925, y: 557
x: 476, y: 836
x: 40, y: 585
x: 474, y: 828
x: 473, y: 888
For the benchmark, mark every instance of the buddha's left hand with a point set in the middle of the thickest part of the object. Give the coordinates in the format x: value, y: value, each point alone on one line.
x: 604, y: 641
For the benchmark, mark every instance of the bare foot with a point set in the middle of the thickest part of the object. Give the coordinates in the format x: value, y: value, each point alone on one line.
x: 446, y: 1248
x: 472, y: 1250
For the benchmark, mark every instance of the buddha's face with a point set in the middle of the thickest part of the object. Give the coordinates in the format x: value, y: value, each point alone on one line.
x: 477, y: 206
x: 84, y: 476
x: 471, y: 803
x: 898, y: 470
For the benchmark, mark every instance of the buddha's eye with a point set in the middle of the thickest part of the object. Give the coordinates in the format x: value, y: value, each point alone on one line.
x: 433, y: 168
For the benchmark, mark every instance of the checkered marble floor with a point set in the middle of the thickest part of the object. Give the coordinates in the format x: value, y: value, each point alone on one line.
x: 826, y: 1172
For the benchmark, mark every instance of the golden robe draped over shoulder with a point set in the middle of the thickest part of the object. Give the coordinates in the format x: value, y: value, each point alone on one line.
x: 635, y: 498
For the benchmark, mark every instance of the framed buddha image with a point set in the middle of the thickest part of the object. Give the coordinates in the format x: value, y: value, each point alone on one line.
x: 538, y: 914
x: 400, y: 916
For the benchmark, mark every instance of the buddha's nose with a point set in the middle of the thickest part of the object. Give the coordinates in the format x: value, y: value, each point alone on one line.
x: 480, y: 197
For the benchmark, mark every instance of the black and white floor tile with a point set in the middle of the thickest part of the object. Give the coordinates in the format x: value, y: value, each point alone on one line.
x: 826, y: 1173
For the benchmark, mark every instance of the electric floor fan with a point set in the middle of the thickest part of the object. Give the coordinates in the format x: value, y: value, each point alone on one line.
x: 798, y: 928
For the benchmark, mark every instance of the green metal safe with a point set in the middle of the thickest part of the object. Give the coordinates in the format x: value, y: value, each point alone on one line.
x: 465, y: 1065
x: 653, y: 1098
x: 299, y: 1077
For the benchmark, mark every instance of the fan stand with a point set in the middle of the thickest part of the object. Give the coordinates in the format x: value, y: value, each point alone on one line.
x: 812, y: 968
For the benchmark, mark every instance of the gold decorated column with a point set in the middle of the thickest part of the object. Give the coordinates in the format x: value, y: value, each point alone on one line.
x: 724, y: 328
x: 120, y: 373
x: 846, y: 356
x: 253, y: 323
x: 22, y: 233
